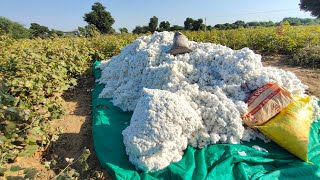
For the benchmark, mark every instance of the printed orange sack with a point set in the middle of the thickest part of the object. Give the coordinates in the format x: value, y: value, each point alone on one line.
x: 290, y: 128
x: 266, y: 102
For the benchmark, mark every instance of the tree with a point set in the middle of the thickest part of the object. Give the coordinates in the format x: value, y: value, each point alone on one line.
x: 57, y: 33
x: 239, y: 24
x: 123, y: 30
x: 193, y: 25
x: 176, y: 28
x: 198, y: 25
x: 311, y: 5
x: 220, y: 26
x: 140, y: 30
x: 188, y: 23
x: 89, y: 31
x: 164, y: 26
x: 100, y: 18
x: 39, y: 31
x: 253, y: 24
x: 153, y: 24
x: 209, y: 27
x: 14, y: 29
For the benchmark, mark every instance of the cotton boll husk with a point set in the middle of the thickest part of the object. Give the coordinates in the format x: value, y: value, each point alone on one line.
x: 213, y: 82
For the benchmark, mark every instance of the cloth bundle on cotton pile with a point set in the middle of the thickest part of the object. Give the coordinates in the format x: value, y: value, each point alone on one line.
x: 196, y: 98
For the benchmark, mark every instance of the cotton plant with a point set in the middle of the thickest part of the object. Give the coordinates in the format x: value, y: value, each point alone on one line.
x: 212, y: 81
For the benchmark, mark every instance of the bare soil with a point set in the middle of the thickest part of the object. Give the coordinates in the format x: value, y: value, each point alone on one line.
x: 74, y: 129
x: 308, y: 76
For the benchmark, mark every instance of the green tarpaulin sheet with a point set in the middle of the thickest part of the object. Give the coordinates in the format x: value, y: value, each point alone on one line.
x: 220, y: 161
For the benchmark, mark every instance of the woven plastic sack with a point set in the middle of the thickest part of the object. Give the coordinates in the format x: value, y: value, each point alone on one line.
x: 290, y: 128
x: 180, y: 44
x: 265, y: 102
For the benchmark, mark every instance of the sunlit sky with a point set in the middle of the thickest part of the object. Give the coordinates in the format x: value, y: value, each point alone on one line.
x: 68, y: 15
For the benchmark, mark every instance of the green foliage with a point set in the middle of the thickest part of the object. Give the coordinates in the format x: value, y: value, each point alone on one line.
x: 123, y: 30
x: 101, y: 18
x: 164, y: 26
x: 281, y: 39
x: 311, y: 5
x: 293, y: 21
x: 39, y: 31
x: 141, y: 30
x: 198, y: 25
x: 89, y: 31
x: 153, y: 24
x: 14, y: 29
x: 193, y: 25
x: 28, y: 173
x: 188, y: 23
x: 307, y: 56
x: 240, y: 24
x: 56, y: 33
x: 33, y: 75
x: 176, y: 28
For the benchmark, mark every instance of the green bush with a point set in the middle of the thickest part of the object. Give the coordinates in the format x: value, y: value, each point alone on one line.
x: 307, y: 56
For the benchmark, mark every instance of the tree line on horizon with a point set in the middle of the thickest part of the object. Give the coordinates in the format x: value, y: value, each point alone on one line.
x: 191, y: 24
x: 100, y: 21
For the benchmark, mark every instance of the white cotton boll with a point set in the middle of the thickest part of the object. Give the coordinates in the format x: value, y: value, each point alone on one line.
x: 315, y: 109
x: 250, y: 134
x: 214, y: 138
x: 242, y: 107
x: 157, y: 161
x: 209, y: 84
x: 259, y: 148
x: 161, y: 123
x: 242, y: 153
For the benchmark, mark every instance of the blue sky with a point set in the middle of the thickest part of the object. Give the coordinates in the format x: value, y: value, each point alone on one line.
x: 68, y: 14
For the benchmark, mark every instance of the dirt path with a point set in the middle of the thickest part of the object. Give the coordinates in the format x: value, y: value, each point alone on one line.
x: 74, y: 129
x: 308, y: 76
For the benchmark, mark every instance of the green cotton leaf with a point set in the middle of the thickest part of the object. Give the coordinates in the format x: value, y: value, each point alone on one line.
x: 85, y: 166
x: 2, y: 139
x: 22, y: 105
x: 29, y: 150
x: 36, y: 130
x: 73, y: 81
x: 10, y: 128
x: 49, y: 91
x: 28, y: 84
x: 2, y: 171
x: 15, y: 168
x: 66, y: 87
x: 85, y: 155
x: 14, y: 178
x: 31, y: 141
x: 30, y: 173
x: 15, y: 103
x: 84, y: 158
x: 12, y: 110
